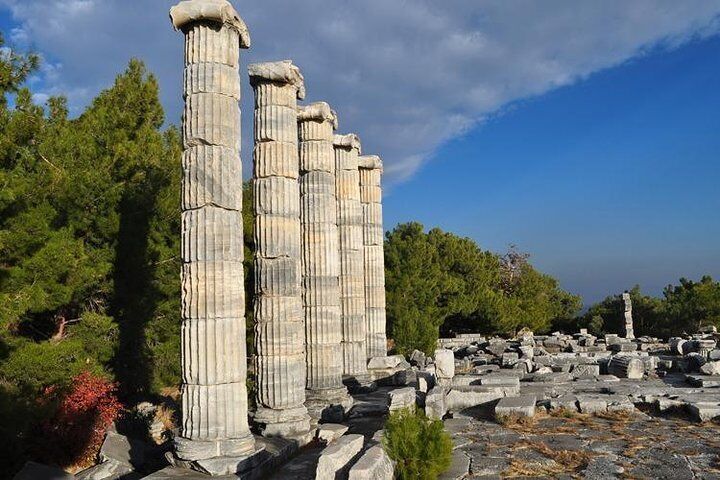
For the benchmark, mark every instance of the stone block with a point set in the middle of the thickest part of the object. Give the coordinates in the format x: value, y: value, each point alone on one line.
x: 711, y: 368
x: 108, y: 470
x: 435, y: 406
x: 585, y: 370
x: 390, y: 361
x: 459, y: 467
x: 566, y: 402
x: 373, y: 465
x: 329, y: 432
x: 444, y: 364
x: 522, y: 406
x: 590, y: 404
x: 508, y: 359
x: 704, y: 411
x: 402, y: 398
x: 334, y: 458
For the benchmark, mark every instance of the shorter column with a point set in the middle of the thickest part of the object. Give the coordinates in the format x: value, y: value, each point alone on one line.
x: 373, y: 254
x: 352, y: 283
x: 627, y: 302
x: 327, y: 397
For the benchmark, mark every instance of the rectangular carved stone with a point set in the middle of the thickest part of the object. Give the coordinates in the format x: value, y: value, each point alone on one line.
x: 211, y: 119
x: 213, y: 290
x: 211, y: 175
x: 210, y: 234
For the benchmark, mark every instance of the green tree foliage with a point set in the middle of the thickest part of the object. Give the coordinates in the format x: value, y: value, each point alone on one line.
x: 89, y: 242
x: 420, y: 447
x: 439, y: 281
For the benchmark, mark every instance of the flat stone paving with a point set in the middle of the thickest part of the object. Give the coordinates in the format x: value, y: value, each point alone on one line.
x: 564, y: 444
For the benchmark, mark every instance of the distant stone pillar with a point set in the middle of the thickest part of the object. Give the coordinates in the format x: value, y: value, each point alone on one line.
x: 279, y: 335
x: 352, y: 283
x: 214, y: 431
x: 629, y: 331
x: 320, y: 260
x: 373, y: 254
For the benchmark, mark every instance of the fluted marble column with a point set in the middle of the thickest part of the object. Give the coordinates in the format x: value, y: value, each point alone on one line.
x: 279, y: 332
x: 352, y: 283
x: 320, y: 260
x: 214, y: 432
x: 373, y: 254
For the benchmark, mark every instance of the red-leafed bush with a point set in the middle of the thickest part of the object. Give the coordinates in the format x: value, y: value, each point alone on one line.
x: 73, y: 436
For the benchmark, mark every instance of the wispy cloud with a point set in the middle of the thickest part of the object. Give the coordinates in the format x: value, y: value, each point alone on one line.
x: 407, y: 75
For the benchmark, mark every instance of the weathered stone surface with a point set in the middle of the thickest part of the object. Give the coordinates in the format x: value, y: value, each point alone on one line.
x: 390, y: 361
x: 629, y: 331
x: 373, y: 465
x: 374, y: 264
x: 624, y: 366
x: 107, y: 470
x: 459, y: 468
x: 435, y: 403
x: 280, y: 359
x: 704, y: 411
x: 320, y: 259
x: 592, y: 404
x: 329, y: 432
x: 585, y: 370
x: 711, y: 368
x: 214, y: 395
x: 444, y: 364
x: 337, y: 455
x: 522, y: 406
x: 402, y: 398
x: 352, y: 272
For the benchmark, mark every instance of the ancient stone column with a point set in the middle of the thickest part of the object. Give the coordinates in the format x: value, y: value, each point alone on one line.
x: 373, y: 254
x: 320, y: 260
x: 352, y: 275
x: 629, y: 331
x: 279, y: 332
x: 214, y: 433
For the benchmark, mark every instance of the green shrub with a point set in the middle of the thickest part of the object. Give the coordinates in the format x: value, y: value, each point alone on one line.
x: 420, y: 446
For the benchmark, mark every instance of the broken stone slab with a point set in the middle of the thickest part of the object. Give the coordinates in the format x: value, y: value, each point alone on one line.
x: 457, y: 400
x: 337, y: 456
x: 108, y: 470
x: 391, y: 361
x: 703, y: 411
x: 459, y: 467
x: 522, y: 406
x: 329, y: 432
x: 401, y: 398
x: 704, y: 381
x: 508, y: 359
x: 603, y: 468
x: 418, y: 358
x: 584, y: 370
x: 444, y: 364
x: 591, y: 404
x: 565, y: 402
x: 554, y: 377
x: 123, y: 450
x: 39, y: 471
x: 435, y: 403
x: 711, y: 368
x: 373, y: 465
x: 621, y: 405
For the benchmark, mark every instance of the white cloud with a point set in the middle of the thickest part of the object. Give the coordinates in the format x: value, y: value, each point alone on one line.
x: 407, y: 75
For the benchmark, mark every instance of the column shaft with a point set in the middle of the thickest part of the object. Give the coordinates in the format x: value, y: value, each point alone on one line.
x: 279, y: 335
x: 373, y: 254
x: 320, y: 258
x: 214, y: 395
x: 350, y: 232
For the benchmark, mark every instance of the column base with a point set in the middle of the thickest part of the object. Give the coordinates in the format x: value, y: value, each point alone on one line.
x: 290, y: 424
x: 216, y: 457
x: 328, y: 405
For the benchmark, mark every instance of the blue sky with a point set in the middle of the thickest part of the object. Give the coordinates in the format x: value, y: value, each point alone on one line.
x: 608, y: 183
x: 586, y: 133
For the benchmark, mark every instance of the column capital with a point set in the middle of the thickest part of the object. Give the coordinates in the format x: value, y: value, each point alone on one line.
x: 283, y: 72
x: 217, y: 11
x: 348, y: 142
x: 318, y: 111
x: 371, y: 162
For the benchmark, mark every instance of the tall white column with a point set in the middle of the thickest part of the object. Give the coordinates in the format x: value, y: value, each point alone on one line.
x: 214, y: 434
x: 352, y: 283
x: 279, y: 329
x: 320, y: 261
x: 373, y: 254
